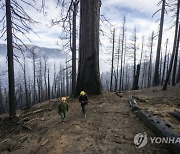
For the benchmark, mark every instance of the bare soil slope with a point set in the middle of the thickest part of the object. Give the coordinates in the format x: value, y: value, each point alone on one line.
x: 109, y: 128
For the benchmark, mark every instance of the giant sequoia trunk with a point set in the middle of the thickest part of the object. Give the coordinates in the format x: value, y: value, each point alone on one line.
x: 12, y: 100
x: 88, y: 70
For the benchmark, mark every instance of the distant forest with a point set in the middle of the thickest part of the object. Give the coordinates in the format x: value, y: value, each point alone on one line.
x: 133, y: 65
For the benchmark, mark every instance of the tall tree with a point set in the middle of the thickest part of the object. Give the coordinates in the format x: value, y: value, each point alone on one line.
x: 12, y: 99
x: 175, y: 59
x: 134, y: 47
x: 75, y: 6
x: 151, y: 43
x: 164, y: 65
x: 156, y: 72
x: 34, y: 60
x: 112, y: 62
x: 49, y: 95
x: 117, y: 67
x: 88, y: 69
x: 174, y: 46
x: 122, y: 52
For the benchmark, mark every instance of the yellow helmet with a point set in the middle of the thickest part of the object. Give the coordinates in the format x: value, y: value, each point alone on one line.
x: 82, y: 93
x: 63, y: 99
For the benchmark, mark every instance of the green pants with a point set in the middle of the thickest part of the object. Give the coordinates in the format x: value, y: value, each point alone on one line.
x: 63, y: 115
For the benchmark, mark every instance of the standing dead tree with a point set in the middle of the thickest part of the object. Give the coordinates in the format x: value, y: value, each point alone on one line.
x: 150, y: 45
x: 17, y: 21
x: 122, y: 53
x: 134, y: 48
x: 174, y: 45
x: 34, y: 58
x: 156, y: 72
x: 68, y: 21
x: 164, y: 65
x: 112, y: 62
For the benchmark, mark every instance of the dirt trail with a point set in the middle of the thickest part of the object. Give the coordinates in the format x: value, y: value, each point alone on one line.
x: 109, y: 128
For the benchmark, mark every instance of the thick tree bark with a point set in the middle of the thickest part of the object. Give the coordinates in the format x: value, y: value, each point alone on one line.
x: 12, y: 99
x: 156, y: 72
x: 88, y: 72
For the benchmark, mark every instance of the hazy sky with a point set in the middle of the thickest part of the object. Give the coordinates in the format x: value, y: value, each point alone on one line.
x: 138, y: 13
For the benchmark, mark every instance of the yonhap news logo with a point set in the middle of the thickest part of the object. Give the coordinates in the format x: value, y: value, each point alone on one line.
x: 141, y: 140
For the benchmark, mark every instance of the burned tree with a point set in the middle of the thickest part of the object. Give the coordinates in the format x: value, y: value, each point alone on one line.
x: 88, y: 69
x: 112, y: 63
x: 156, y: 72
x: 12, y: 102
x: 174, y: 46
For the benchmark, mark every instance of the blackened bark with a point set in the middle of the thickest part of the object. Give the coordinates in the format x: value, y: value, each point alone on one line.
x: 112, y: 63
x: 136, y: 80
x: 12, y: 99
x: 75, y: 5
x: 178, y: 75
x: 174, y: 47
x: 164, y: 66
x: 156, y: 72
x: 88, y: 72
x: 175, y: 60
x: 122, y: 53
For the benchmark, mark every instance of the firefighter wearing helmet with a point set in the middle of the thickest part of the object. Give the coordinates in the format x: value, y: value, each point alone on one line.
x: 63, y: 108
x: 83, y: 100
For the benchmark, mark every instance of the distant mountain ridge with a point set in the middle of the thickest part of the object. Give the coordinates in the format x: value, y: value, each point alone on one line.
x: 40, y: 51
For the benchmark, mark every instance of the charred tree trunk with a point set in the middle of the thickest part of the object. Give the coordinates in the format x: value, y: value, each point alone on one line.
x: 174, y: 47
x: 25, y: 83
x: 117, y: 68
x: 164, y: 65
x: 88, y: 72
x: 112, y: 63
x: 178, y: 75
x: 48, y: 86
x: 75, y: 6
x: 134, y: 47
x: 156, y: 72
x: 34, y: 78
x: 175, y: 59
x: 150, y: 60
x: 12, y: 99
x: 122, y: 53
x: 136, y: 80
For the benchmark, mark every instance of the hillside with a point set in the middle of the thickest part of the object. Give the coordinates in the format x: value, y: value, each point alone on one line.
x: 52, y: 53
x: 109, y: 127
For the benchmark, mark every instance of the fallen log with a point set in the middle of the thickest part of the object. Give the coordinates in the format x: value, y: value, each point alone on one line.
x: 133, y: 104
x: 117, y: 93
x: 139, y: 99
x: 176, y: 114
x: 159, y: 128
